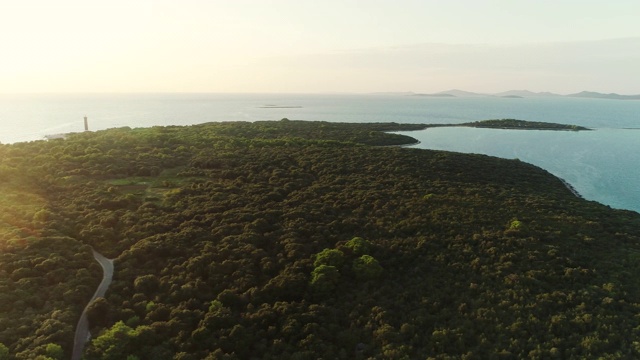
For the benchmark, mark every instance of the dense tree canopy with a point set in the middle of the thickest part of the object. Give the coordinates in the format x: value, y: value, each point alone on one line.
x: 523, y: 125
x: 301, y: 240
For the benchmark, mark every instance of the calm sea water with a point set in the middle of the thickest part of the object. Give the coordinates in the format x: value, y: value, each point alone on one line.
x: 602, y: 165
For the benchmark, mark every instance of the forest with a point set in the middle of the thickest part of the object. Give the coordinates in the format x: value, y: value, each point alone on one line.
x: 306, y: 240
x: 513, y: 124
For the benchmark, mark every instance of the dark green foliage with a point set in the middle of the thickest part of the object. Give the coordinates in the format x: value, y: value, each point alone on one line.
x: 147, y: 284
x: 331, y: 257
x: 359, y: 246
x: 54, y: 351
x: 4, y: 352
x: 227, y: 240
x: 98, y: 312
x: 367, y: 268
x: 44, y: 285
x: 522, y: 125
x: 114, y: 344
x: 324, y: 279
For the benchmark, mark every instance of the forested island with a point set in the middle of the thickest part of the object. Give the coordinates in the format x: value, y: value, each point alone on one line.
x: 513, y: 124
x: 510, y: 124
x: 306, y: 240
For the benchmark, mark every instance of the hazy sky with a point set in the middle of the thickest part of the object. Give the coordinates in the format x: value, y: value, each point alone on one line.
x: 315, y: 46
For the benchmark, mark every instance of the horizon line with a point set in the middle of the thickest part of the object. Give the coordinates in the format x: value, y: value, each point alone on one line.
x: 373, y: 92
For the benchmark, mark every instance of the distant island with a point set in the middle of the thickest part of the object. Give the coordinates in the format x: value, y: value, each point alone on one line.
x: 454, y: 93
x: 596, y: 95
x: 435, y: 95
x: 514, y: 124
x: 517, y: 94
x: 269, y: 106
x: 525, y: 94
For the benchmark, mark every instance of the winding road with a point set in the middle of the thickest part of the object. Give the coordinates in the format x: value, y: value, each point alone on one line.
x: 82, y: 330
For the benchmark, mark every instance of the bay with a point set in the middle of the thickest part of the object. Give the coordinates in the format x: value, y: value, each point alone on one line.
x: 601, y: 164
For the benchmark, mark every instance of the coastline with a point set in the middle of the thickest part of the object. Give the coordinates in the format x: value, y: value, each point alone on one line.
x: 571, y: 188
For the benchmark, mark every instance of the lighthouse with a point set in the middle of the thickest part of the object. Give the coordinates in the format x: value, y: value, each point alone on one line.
x: 86, y: 123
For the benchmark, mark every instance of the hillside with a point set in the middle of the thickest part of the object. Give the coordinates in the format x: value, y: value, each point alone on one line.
x: 303, y: 240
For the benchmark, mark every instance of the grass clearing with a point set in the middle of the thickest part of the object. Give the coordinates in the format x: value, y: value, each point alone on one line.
x: 151, y: 188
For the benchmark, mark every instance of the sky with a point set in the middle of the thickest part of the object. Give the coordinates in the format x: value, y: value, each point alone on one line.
x: 328, y: 46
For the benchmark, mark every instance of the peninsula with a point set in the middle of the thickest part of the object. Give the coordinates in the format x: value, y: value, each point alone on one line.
x: 513, y: 124
x: 304, y: 240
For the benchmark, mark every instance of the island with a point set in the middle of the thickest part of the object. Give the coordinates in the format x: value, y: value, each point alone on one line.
x: 597, y: 95
x: 507, y: 124
x: 271, y: 106
x: 513, y: 124
x: 293, y: 239
x: 436, y: 95
x: 517, y: 94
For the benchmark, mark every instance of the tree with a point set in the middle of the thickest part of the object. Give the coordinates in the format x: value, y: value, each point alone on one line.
x: 367, y: 268
x: 54, y: 351
x: 4, y: 352
x: 331, y: 257
x: 324, y: 278
x: 42, y: 215
x: 147, y: 284
x: 515, y: 225
x: 113, y: 344
x: 359, y: 246
x: 98, y: 311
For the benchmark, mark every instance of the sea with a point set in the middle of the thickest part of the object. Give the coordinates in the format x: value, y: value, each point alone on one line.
x: 603, y: 165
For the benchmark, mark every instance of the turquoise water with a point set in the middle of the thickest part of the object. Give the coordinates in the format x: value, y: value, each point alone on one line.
x: 602, y: 164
